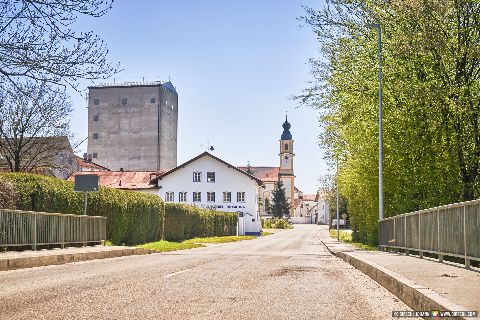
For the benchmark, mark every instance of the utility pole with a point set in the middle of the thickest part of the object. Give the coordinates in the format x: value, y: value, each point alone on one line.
x: 380, y: 128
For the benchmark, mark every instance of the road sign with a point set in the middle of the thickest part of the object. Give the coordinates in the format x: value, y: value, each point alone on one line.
x: 86, y: 182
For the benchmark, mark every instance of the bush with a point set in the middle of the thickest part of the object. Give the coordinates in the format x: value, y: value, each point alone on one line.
x: 8, y: 195
x: 132, y: 217
x: 276, y: 223
x: 187, y: 222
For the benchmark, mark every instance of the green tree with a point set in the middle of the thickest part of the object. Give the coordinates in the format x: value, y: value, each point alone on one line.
x: 279, y: 206
x: 431, y: 87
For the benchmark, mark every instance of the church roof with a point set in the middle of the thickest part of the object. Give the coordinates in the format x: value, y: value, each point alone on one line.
x: 266, y: 174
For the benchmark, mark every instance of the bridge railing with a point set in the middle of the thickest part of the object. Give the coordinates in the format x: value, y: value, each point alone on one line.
x: 29, y: 228
x: 450, y: 230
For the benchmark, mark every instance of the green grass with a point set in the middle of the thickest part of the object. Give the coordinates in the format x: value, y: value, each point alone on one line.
x: 219, y: 239
x: 166, y: 246
x: 347, y: 238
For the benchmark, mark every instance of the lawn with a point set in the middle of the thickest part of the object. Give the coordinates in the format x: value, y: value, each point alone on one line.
x: 166, y: 246
x: 347, y: 237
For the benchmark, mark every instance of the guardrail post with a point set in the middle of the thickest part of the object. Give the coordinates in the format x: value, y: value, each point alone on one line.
x: 420, y: 252
x: 467, y: 261
x: 34, y: 232
x: 62, y: 230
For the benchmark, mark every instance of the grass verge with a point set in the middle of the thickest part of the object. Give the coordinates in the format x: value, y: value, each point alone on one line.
x: 219, y: 239
x: 347, y: 238
x: 166, y: 246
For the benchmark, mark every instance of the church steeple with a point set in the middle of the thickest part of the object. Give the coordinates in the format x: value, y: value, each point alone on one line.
x: 286, y: 174
x: 286, y: 135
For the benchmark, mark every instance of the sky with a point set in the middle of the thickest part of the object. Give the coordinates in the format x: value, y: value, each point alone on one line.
x: 235, y: 65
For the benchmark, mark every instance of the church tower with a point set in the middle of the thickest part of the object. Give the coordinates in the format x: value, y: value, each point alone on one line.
x: 286, y: 163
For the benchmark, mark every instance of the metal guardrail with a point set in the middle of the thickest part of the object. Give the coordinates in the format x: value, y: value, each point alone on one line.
x: 450, y: 230
x: 29, y: 228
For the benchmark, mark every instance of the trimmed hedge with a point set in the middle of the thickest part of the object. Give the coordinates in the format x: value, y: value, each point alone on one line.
x: 132, y: 217
x: 187, y: 222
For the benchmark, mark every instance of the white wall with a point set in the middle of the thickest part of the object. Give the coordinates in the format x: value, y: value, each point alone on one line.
x: 226, y: 179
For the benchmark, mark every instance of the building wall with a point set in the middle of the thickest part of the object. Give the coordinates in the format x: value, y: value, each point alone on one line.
x: 140, y: 135
x: 226, y: 179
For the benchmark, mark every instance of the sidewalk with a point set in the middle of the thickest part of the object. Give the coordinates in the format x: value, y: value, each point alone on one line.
x: 11, y: 260
x: 422, y: 284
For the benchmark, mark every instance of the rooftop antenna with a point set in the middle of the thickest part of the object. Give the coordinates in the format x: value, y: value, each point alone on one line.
x: 208, y: 147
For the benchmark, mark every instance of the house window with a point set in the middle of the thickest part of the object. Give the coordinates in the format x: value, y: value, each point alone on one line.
x: 169, y: 196
x: 210, y: 176
x: 227, y: 196
x: 240, y: 196
x: 95, y: 117
x: 182, y: 197
x: 197, y: 176
x: 152, y: 100
x: 197, y: 197
x: 96, y: 102
x: 210, y: 196
x: 94, y: 155
x: 286, y: 146
x: 95, y: 136
x: 124, y: 101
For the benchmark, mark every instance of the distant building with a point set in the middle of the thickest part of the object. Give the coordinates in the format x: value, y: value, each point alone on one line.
x: 133, y: 126
x: 51, y: 156
x: 86, y: 164
x: 209, y: 182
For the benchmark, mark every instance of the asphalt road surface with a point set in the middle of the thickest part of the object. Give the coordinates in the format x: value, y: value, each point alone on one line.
x: 288, y: 275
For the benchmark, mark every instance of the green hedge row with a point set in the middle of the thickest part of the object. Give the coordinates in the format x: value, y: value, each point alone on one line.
x: 186, y: 222
x: 132, y: 217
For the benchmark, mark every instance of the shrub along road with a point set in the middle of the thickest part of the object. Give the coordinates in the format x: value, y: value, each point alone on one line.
x: 287, y: 275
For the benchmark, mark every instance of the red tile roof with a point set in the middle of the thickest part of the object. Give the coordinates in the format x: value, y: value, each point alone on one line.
x: 266, y: 174
x: 129, y: 180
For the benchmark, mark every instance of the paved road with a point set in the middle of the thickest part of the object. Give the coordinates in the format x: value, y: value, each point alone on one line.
x: 288, y: 275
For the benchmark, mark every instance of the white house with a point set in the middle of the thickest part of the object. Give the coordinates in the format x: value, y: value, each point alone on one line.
x: 323, y: 210
x: 209, y: 182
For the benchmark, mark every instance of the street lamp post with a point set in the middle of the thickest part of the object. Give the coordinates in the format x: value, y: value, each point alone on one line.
x: 380, y: 129
x: 338, y: 208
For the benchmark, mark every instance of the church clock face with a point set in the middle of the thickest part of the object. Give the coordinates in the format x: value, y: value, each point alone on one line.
x: 286, y: 162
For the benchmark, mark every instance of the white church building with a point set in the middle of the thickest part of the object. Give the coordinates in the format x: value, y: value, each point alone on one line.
x: 209, y: 182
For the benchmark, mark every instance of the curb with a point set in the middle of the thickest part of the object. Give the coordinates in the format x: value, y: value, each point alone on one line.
x: 416, y: 296
x: 8, y: 264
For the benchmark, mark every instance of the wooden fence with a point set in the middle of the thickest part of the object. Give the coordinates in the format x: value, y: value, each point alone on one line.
x: 28, y: 228
x: 450, y: 230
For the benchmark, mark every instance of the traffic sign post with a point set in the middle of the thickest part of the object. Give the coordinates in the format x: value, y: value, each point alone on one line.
x: 86, y: 183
